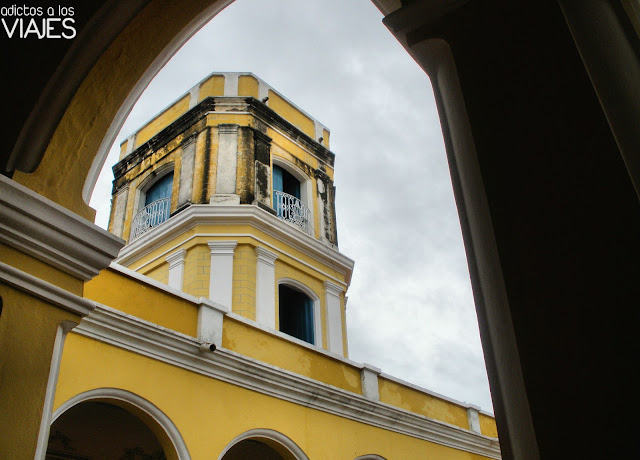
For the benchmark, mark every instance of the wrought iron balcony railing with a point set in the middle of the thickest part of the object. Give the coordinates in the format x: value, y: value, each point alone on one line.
x: 151, y: 216
x: 291, y: 209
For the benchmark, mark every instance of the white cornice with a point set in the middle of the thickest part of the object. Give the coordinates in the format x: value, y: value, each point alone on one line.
x: 235, y: 215
x: 53, y: 234
x: 133, y: 334
x: 45, y: 291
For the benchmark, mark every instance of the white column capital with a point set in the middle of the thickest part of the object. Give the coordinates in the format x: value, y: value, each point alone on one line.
x: 333, y: 288
x: 176, y: 258
x: 266, y: 256
x: 222, y: 247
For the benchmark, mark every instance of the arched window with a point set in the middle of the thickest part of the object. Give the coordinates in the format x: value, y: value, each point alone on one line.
x: 296, y: 313
x: 291, y: 198
x: 155, y: 203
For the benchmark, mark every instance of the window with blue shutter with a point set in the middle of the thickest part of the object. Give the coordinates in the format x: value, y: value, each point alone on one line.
x: 296, y: 313
x: 160, y: 189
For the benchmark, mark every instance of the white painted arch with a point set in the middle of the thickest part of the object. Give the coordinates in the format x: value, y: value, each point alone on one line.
x: 273, y: 439
x: 135, y: 404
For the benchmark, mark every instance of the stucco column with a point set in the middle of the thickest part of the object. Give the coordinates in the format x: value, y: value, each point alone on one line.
x: 221, y: 272
x: 120, y: 211
x: 266, y: 287
x: 227, y: 159
x: 176, y: 268
x: 334, y: 317
x: 187, y: 168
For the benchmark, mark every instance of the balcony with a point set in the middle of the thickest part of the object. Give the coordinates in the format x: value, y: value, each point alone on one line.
x: 291, y: 209
x: 151, y: 216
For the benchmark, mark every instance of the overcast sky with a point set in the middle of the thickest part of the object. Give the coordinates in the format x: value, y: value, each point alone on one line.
x: 410, y: 309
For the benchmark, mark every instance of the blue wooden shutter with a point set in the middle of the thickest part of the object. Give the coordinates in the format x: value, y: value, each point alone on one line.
x: 161, y: 189
x: 277, y: 182
x: 307, y: 334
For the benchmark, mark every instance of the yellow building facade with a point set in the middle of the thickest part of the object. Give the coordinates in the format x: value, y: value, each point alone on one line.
x: 219, y: 330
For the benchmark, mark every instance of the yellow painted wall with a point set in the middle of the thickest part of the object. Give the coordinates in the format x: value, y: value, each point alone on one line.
x: 488, y: 426
x: 213, y: 86
x: 160, y: 272
x: 292, y: 114
x: 161, y: 121
x: 28, y: 328
x: 244, y: 281
x: 415, y: 401
x: 118, y: 291
x: 40, y: 269
x: 199, y: 405
x: 247, y: 86
x: 197, y: 265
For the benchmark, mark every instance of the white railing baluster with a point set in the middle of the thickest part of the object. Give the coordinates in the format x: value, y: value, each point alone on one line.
x: 151, y: 216
x: 291, y: 209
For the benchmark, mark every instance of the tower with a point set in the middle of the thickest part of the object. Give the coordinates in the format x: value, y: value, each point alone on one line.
x: 219, y: 331
x: 228, y: 194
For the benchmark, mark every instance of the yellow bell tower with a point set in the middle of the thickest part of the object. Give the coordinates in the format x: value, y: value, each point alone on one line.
x: 228, y: 194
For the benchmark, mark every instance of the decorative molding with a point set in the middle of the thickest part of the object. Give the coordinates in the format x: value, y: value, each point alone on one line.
x: 176, y: 268
x: 53, y: 234
x: 176, y: 258
x: 265, y: 256
x: 262, y: 433
x: 133, y: 334
x: 222, y: 247
x: 106, y: 394
x: 222, y: 216
x: 333, y: 288
x: 44, y: 290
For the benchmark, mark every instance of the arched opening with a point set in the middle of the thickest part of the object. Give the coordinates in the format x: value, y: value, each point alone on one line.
x: 114, y: 422
x: 299, y: 312
x: 262, y: 444
x: 154, y: 201
x: 292, y: 192
x: 99, y: 430
x: 295, y: 313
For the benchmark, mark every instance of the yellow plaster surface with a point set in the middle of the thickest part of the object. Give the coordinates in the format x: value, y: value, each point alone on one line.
x: 292, y: 114
x: 247, y: 86
x: 162, y: 120
x: 197, y: 404
x: 283, y: 353
x: 244, y: 281
x: 118, y: 291
x: 421, y: 403
x: 213, y: 86
x: 28, y: 328
x: 39, y: 269
x: 488, y: 426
